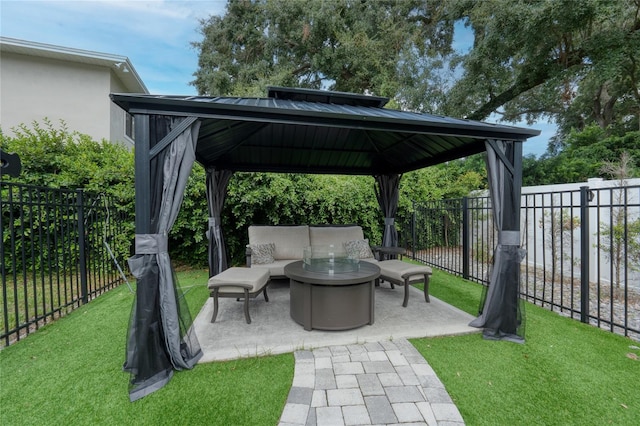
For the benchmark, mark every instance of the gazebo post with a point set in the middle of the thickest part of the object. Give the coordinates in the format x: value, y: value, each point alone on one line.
x: 146, y: 358
x: 142, y: 175
x: 501, y: 313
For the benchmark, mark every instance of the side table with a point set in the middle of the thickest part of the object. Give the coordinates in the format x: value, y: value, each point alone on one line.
x: 386, y: 253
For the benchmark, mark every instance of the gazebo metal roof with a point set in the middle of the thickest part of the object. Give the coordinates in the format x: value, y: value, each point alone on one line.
x: 314, y: 131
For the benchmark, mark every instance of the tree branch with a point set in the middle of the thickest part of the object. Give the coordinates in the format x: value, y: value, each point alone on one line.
x: 301, y: 69
x: 524, y: 83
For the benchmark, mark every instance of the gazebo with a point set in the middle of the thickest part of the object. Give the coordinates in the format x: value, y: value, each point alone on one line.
x: 301, y: 131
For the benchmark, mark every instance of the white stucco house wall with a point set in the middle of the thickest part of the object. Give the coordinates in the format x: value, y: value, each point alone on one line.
x: 40, y: 80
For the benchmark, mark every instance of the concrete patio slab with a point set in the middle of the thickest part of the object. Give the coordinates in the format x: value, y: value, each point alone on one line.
x: 272, y: 330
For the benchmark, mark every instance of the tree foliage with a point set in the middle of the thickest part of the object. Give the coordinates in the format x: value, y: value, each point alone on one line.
x: 270, y: 199
x: 583, y: 155
x: 347, y: 45
x: 572, y: 61
x: 276, y: 198
x: 56, y: 157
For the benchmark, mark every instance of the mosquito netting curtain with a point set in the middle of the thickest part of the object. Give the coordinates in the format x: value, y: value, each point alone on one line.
x: 160, y: 338
x: 217, y: 181
x: 388, y: 193
x: 501, y: 310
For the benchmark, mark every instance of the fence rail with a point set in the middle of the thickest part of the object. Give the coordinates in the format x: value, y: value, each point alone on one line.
x: 582, y: 245
x: 58, y: 251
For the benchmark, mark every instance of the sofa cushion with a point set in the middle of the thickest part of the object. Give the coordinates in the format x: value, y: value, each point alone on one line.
x: 289, y: 241
x: 236, y: 278
x: 336, y: 235
x: 262, y: 253
x: 276, y: 269
x: 399, y: 270
x: 358, y: 249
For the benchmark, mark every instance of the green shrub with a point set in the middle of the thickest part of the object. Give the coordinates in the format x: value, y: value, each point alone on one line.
x: 56, y: 157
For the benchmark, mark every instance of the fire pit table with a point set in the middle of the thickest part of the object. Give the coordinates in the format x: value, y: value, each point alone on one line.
x: 332, y: 293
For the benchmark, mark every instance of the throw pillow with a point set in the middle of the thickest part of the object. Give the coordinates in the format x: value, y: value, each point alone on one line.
x: 262, y: 253
x: 358, y: 249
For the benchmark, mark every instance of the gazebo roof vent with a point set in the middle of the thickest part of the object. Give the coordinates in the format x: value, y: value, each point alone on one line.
x: 326, y: 97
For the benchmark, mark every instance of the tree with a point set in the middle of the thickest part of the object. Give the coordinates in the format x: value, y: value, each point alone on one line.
x: 345, y: 45
x: 582, y: 155
x: 572, y: 61
x: 558, y: 227
x: 621, y: 235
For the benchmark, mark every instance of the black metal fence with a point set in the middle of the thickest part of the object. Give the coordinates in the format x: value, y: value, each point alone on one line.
x: 583, y: 249
x: 60, y: 248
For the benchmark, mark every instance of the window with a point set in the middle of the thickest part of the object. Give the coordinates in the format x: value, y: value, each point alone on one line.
x: 129, y: 129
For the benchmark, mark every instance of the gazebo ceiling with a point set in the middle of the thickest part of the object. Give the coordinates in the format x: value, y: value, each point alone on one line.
x: 314, y: 131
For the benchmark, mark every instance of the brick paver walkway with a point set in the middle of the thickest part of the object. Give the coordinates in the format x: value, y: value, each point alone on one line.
x: 386, y: 382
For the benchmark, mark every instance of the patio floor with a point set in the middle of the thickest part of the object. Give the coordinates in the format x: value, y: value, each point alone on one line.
x: 272, y: 331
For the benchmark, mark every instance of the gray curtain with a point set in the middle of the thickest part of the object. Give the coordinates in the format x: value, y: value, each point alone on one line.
x: 217, y: 181
x: 501, y: 310
x: 388, y: 192
x: 160, y: 335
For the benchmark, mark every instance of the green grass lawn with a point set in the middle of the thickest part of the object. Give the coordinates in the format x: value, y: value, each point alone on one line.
x: 70, y: 372
x: 565, y: 373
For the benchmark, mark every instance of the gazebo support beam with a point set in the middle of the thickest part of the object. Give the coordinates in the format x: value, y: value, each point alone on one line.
x: 142, y: 175
x: 166, y: 141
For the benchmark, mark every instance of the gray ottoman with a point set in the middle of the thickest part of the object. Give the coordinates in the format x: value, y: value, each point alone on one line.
x: 239, y: 282
x: 403, y: 273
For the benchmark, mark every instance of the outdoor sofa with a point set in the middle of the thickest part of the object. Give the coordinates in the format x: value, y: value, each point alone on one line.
x: 275, y: 246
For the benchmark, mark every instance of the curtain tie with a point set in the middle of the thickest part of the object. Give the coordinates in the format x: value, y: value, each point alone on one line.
x: 151, y: 243
x: 389, y: 221
x: 214, y: 222
x: 509, y: 238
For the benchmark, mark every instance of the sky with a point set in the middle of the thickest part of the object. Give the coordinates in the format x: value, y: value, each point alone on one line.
x: 155, y: 35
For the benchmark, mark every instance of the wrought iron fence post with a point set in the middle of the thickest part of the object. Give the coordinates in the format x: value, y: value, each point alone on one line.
x: 81, y: 248
x: 466, y: 255
x: 413, y: 231
x: 584, y: 254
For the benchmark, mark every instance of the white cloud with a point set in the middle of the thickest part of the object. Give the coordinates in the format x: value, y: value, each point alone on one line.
x: 159, y: 9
